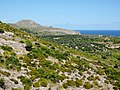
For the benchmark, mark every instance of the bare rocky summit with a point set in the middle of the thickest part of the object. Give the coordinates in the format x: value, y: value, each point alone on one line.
x: 27, y: 24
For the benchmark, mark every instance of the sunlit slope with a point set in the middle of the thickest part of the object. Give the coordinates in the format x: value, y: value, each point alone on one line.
x: 29, y: 63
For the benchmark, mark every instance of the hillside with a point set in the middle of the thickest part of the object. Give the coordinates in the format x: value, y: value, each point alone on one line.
x: 38, y: 30
x: 30, y: 63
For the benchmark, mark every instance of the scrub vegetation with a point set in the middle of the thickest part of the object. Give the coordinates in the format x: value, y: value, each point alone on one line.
x: 59, y: 62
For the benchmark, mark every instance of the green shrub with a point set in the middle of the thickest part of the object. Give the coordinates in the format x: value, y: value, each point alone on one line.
x: 89, y: 72
x: 53, y: 76
x: 43, y: 82
x: 1, y: 31
x: 24, y: 65
x: 1, y: 59
x: 71, y: 83
x: 100, y: 71
x: 87, y: 85
x: 65, y: 85
x: 37, y: 44
x: 55, y: 66
x: 97, y: 78
x: 15, y: 81
x: 6, y: 73
x: 42, y: 72
x: 16, y: 89
x: 33, y: 77
x: 26, y: 60
x: 7, y: 48
x: 78, y: 83
x: 62, y: 77
x: 106, y: 81
x: 26, y: 87
x: 95, y: 83
x: 80, y: 72
x: 28, y: 46
x: 116, y: 88
x: 25, y: 81
x: 13, y: 54
x: 21, y: 41
x: 2, y: 83
x: 13, y: 63
x: 91, y: 78
x: 36, y: 84
x: 47, y: 63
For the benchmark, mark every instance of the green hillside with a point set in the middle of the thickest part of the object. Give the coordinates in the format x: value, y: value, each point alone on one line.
x: 31, y: 63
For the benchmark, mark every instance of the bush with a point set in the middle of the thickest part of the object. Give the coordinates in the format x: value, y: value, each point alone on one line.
x: 100, y: 72
x: 65, y: 85
x: 55, y: 66
x: 28, y: 46
x: 53, y: 76
x: 13, y: 53
x: 33, y: 77
x: 12, y: 63
x: 95, y: 83
x: 91, y: 78
x: 106, y: 81
x: 26, y: 87
x: 71, y: 83
x: 37, y: 44
x: 16, y: 89
x: 97, y: 78
x: 25, y: 81
x: 1, y: 59
x: 80, y: 72
x: 6, y: 73
x: 78, y: 83
x: 1, y: 31
x: 15, y: 81
x: 7, y: 48
x: 62, y: 77
x: 116, y: 88
x: 26, y: 60
x: 36, y: 84
x: 43, y: 82
x: 35, y: 53
x: 2, y: 83
x: 21, y: 41
x: 87, y: 85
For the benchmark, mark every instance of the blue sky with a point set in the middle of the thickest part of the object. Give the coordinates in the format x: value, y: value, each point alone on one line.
x: 70, y: 14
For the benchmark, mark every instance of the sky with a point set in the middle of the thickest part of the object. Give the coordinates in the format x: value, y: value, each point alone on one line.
x: 69, y: 14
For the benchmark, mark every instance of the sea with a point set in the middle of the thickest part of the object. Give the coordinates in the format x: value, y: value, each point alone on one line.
x: 100, y: 32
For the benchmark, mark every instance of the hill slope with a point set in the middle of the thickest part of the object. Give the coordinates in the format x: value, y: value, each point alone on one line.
x: 29, y: 63
x: 38, y: 30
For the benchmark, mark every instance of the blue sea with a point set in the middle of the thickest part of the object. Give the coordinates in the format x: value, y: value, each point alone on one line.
x: 101, y: 32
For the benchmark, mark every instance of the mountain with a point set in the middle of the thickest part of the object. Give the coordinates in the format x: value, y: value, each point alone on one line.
x: 27, y: 24
x: 31, y: 63
x: 38, y: 30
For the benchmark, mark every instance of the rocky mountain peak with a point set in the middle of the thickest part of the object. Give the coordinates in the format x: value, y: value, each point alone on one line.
x: 27, y: 24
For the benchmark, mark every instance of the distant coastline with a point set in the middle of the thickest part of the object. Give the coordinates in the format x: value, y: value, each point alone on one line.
x: 101, y: 32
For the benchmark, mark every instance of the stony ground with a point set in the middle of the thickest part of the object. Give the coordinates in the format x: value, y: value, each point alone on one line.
x: 19, y: 48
